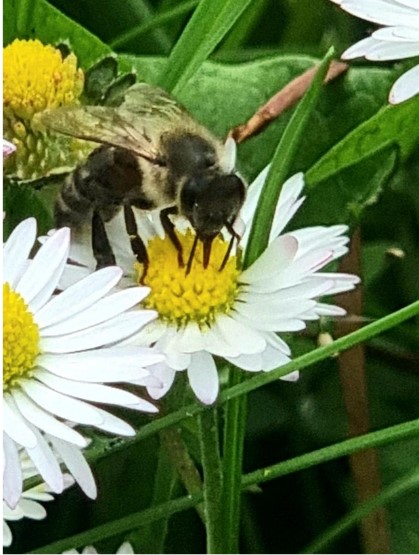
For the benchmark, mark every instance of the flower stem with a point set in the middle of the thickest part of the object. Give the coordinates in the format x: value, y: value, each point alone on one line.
x: 153, y: 537
x: 234, y: 432
x: 211, y: 464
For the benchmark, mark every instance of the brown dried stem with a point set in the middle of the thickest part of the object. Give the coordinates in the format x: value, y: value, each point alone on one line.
x: 282, y: 100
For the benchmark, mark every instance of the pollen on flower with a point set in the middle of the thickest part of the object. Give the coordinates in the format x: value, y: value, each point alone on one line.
x: 199, y: 296
x: 36, y: 77
x: 20, y: 338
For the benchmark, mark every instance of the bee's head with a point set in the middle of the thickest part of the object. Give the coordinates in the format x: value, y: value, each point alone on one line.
x: 211, y: 201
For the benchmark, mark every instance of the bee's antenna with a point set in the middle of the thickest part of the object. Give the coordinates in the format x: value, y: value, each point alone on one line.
x: 191, y: 255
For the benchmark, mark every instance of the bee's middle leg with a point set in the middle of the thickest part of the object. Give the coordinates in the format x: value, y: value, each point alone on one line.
x: 101, y: 247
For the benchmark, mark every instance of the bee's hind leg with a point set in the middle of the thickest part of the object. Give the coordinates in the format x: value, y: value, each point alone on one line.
x: 101, y: 247
x: 169, y: 228
x: 137, y: 244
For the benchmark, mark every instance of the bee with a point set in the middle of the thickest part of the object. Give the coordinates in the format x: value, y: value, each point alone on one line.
x: 152, y: 155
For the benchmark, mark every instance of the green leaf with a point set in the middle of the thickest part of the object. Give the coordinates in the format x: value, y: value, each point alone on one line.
x: 27, y: 19
x: 209, y: 24
x: 22, y: 201
x: 343, y: 196
x: 390, y: 126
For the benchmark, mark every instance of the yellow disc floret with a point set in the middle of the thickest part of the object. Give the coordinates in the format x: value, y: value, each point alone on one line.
x: 36, y: 77
x: 20, y: 338
x: 199, y: 296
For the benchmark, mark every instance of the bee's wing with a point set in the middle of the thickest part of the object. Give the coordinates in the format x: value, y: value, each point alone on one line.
x: 154, y: 106
x: 111, y: 126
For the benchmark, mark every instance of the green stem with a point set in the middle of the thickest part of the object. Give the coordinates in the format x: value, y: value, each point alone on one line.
x: 397, y: 488
x: 211, y: 464
x: 181, y: 459
x: 153, y: 537
x: 387, y: 436
x: 299, y: 363
x: 234, y: 433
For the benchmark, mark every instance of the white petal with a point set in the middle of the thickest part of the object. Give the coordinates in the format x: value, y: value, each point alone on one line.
x: 228, y: 161
x: 102, y: 365
x: 15, y: 425
x: 125, y: 548
x: 77, y: 466
x: 143, y: 406
x: 203, y: 377
x: 251, y: 363
x: 252, y: 197
x: 243, y: 338
x: 46, y: 463
x: 382, y: 12
x: 288, y: 204
x: 61, y: 405
x: 12, y: 473
x: 89, y: 391
x: 396, y: 34
x: 51, y: 256
x: 217, y: 344
x: 166, y: 375
x: 16, y: 250
x: 7, y: 535
x: 329, y: 310
x: 273, y: 358
x: 291, y: 377
x: 114, y: 425
x: 278, y: 256
x: 32, y: 509
x: 190, y: 339
x: 43, y: 421
x: 406, y: 86
x: 112, y: 331
x: 78, y: 297
x: 102, y: 311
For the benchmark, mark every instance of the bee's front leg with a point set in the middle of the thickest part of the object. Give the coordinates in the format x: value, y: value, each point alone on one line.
x: 169, y: 228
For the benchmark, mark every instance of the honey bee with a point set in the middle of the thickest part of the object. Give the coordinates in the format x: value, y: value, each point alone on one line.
x: 153, y: 155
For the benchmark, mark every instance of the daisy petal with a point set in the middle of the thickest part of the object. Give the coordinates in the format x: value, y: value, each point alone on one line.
x: 77, y: 466
x: 15, y: 425
x: 203, y: 377
x: 61, y: 405
x: 46, y: 463
x: 111, y: 331
x: 48, y: 259
x: 43, y: 421
x: 79, y: 297
x: 17, y: 249
x: 166, y: 375
x: 12, y: 473
x: 406, y: 86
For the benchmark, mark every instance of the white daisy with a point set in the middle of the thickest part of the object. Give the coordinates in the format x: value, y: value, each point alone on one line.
x: 233, y: 314
x: 29, y: 504
x: 397, y: 40
x: 123, y: 548
x: 59, y: 355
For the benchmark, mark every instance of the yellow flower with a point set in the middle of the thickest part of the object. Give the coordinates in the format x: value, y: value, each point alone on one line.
x: 36, y: 77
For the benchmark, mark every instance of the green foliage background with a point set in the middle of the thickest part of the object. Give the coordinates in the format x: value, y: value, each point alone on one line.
x: 362, y: 164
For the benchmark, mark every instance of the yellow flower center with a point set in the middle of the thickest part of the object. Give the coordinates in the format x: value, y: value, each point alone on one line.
x: 36, y: 77
x: 199, y: 296
x: 20, y: 338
